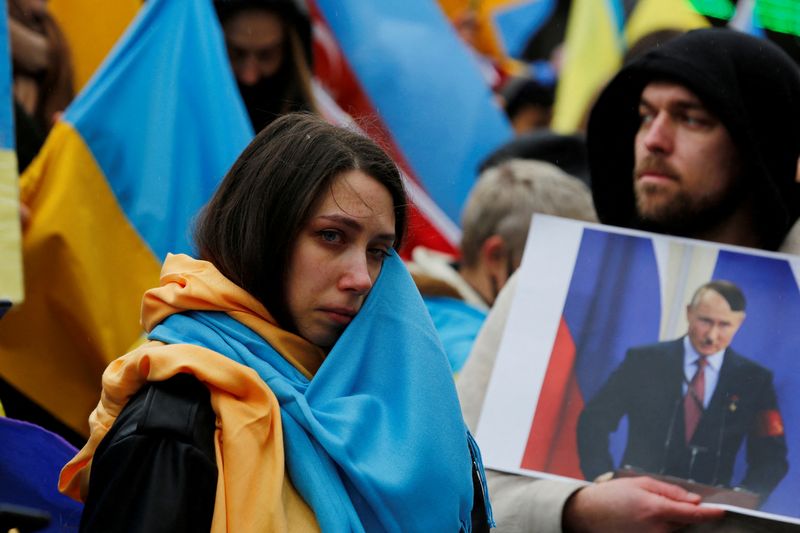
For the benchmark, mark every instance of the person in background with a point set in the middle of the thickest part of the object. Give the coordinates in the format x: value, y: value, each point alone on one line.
x: 269, y: 47
x: 291, y: 379
x: 698, y: 137
x: 495, y: 223
x: 528, y: 104
x: 567, y: 152
x: 42, y: 75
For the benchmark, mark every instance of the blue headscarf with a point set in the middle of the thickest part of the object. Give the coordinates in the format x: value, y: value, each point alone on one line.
x: 375, y: 441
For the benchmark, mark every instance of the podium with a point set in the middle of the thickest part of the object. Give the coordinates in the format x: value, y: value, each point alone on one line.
x: 710, y: 494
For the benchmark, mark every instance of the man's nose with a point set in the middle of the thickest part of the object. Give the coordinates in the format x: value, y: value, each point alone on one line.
x: 660, y: 134
x: 356, y: 276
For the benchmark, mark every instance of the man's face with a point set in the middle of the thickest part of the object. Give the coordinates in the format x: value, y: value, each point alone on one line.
x: 712, y: 324
x: 686, y: 175
x: 255, y: 45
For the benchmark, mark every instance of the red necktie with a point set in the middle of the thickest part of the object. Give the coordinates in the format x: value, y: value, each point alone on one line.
x: 693, y: 401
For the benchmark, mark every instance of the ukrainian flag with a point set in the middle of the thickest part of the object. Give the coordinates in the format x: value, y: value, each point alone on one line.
x: 10, y: 247
x: 91, y: 28
x: 114, y: 189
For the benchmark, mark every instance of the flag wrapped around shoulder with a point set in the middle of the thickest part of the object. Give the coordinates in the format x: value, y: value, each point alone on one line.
x: 114, y: 189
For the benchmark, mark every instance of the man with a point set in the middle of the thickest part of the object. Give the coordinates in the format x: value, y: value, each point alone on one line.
x: 660, y: 161
x: 690, y: 404
x: 495, y: 222
x: 269, y: 47
x: 713, y: 120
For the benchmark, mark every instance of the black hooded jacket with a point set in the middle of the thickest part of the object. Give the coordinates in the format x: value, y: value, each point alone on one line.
x: 750, y: 84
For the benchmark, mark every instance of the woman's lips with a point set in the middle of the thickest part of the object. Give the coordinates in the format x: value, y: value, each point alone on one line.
x: 339, y: 315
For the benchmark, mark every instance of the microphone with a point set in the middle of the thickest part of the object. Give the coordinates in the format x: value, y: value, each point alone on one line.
x: 733, y: 401
x: 670, y: 433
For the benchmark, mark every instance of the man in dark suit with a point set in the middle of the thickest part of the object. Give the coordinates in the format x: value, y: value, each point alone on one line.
x: 690, y: 404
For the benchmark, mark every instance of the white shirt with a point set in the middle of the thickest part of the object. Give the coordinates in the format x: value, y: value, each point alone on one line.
x: 711, y: 373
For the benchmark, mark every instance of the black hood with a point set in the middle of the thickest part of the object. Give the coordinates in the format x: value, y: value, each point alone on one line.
x: 750, y: 84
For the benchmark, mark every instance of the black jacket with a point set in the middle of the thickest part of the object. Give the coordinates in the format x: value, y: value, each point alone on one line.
x: 647, y: 388
x: 156, y: 471
x: 156, y: 468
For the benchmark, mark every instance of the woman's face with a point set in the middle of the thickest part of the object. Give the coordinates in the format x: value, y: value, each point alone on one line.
x: 338, y: 255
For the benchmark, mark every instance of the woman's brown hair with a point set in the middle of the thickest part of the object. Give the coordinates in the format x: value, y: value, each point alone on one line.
x: 248, y: 228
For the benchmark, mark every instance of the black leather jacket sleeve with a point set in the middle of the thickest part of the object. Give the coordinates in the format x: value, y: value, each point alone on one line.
x: 156, y: 469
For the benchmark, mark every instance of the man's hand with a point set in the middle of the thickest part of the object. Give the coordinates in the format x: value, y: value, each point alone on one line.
x: 640, y: 505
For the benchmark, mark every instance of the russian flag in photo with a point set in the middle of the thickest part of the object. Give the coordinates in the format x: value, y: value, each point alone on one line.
x: 614, y: 303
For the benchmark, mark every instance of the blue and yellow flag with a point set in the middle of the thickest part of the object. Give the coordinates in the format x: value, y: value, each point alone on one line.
x: 114, y: 189
x: 10, y: 245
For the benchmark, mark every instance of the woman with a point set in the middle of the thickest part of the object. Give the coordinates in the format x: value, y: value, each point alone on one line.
x: 334, y: 409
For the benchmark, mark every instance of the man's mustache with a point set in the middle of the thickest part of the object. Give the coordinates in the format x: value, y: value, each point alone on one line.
x: 653, y: 164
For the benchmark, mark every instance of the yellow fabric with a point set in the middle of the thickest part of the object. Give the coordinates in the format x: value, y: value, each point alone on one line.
x: 253, y: 492
x: 10, y: 238
x: 592, y: 54
x: 190, y: 284
x: 91, y: 28
x: 653, y: 15
x: 69, y: 259
x: 487, y: 41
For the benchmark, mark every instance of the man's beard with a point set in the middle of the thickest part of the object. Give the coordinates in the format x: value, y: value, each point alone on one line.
x: 682, y: 214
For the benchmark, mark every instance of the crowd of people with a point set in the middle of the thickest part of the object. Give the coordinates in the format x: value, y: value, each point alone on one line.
x: 299, y: 375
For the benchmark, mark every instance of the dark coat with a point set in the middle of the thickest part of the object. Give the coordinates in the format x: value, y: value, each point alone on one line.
x: 647, y: 387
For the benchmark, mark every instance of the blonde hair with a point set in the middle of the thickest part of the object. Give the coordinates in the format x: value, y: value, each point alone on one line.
x: 506, y: 196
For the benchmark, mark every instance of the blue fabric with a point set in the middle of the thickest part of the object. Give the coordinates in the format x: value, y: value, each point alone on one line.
x: 458, y: 324
x: 437, y: 106
x: 375, y: 441
x: 164, y: 120
x: 30, y: 462
x: 7, y: 140
x: 518, y: 22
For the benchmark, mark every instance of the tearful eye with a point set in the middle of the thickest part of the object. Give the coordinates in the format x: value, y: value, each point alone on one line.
x: 378, y: 253
x: 328, y: 235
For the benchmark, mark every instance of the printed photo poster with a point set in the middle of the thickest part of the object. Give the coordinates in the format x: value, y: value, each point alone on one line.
x: 598, y: 360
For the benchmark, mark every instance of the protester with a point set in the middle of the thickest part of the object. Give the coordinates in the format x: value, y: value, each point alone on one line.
x: 711, y: 155
x: 528, y: 104
x: 292, y: 379
x: 42, y: 69
x: 567, y: 152
x: 495, y: 224
x: 269, y: 46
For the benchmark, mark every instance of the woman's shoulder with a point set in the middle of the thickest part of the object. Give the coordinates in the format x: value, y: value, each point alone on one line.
x: 155, y: 469
x: 178, y: 408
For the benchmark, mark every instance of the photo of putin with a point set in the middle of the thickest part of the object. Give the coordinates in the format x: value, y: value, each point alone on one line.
x: 690, y: 403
